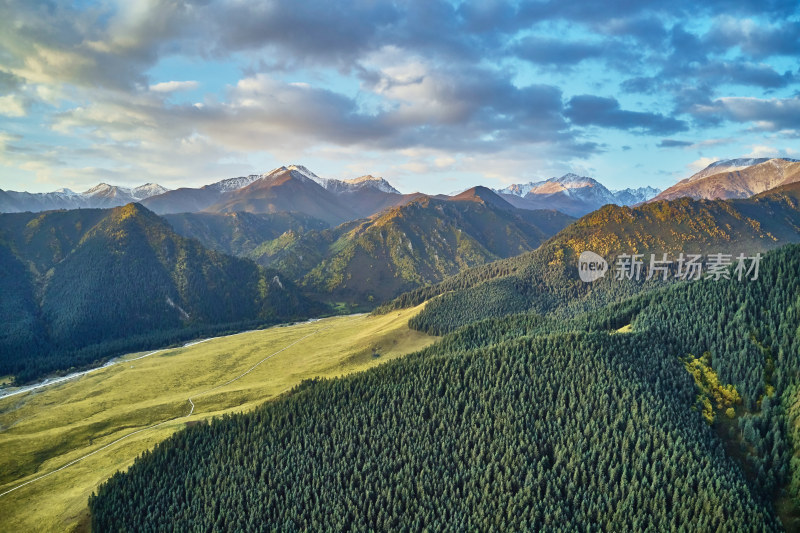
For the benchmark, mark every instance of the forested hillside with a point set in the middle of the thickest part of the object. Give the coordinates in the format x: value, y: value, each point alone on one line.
x: 521, y: 422
x: 364, y: 262
x: 423, y: 242
x: 546, y: 280
x: 240, y: 233
x: 81, y: 285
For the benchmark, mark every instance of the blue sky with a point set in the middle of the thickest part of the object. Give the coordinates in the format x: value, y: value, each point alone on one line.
x: 432, y: 95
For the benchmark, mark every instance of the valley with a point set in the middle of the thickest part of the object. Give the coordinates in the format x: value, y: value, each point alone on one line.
x: 42, y: 430
x: 402, y: 266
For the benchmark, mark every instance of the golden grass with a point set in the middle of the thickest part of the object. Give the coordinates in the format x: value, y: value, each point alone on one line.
x: 43, y: 430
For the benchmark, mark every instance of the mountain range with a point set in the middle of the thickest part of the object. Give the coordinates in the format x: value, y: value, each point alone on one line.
x: 295, y: 188
x: 102, y: 195
x: 546, y: 279
x: 571, y: 194
x: 82, y: 281
x: 420, y: 241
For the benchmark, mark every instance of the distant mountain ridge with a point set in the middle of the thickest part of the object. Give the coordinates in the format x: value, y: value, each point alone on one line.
x: 99, y: 196
x: 735, y: 178
x: 338, y: 200
x: 572, y: 194
x: 364, y: 261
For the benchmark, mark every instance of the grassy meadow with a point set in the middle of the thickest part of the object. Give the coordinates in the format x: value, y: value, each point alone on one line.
x: 43, y: 430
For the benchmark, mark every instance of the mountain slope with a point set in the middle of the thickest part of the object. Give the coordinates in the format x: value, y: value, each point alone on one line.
x: 240, y: 233
x: 190, y: 200
x: 547, y: 280
x: 117, y: 279
x: 737, y: 178
x: 424, y: 241
x: 289, y: 190
x: 569, y: 423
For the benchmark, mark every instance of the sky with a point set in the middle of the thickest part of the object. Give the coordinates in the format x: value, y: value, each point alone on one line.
x: 435, y: 96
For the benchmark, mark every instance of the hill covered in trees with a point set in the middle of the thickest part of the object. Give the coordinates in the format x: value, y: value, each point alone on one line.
x: 367, y: 261
x: 546, y: 280
x: 518, y: 422
x: 425, y: 241
x: 81, y: 285
x: 241, y: 233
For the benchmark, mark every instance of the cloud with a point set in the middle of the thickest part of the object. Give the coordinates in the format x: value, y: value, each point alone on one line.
x: 557, y: 51
x: 773, y: 114
x: 486, y: 78
x: 672, y: 143
x: 588, y: 110
x: 12, y: 105
x: 763, y: 151
x: 699, y: 164
x: 170, y: 86
x: 755, y: 38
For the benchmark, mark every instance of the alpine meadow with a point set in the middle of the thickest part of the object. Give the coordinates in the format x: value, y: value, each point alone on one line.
x: 441, y: 265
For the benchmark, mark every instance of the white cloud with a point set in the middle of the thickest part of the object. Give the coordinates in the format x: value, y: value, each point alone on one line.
x: 763, y: 151
x: 170, y: 86
x: 12, y: 105
x: 700, y: 164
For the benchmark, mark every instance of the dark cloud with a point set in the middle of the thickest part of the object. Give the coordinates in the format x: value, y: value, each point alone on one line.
x: 754, y: 39
x: 556, y: 51
x: 8, y: 82
x: 309, y: 31
x: 672, y: 143
x: 773, y: 114
x: 588, y: 110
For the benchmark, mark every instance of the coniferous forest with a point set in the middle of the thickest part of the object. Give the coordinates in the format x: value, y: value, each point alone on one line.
x: 671, y: 410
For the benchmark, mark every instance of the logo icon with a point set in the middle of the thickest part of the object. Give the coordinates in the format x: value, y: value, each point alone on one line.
x: 591, y: 266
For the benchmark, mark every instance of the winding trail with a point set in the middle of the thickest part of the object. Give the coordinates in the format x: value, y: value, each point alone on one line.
x: 191, y: 403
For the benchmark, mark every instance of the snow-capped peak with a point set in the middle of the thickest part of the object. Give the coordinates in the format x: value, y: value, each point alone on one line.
x: 147, y: 190
x: 104, y: 189
x: 580, y: 188
x: 569, y: 184
x: 65, y: 191
x: 232, y: 184
x: 632, y: 196
x: 305, y: 172
x: 371, y: 181
x: 549, y: 186
x: 517, y: 189
x: 732, y: 165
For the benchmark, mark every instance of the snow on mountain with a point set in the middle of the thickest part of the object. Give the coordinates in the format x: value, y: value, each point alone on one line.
x: 574, y: 186
x: 106, y: 190
x: 232, y: 184
x: 341, y: 186
x: 517, y: 189
x: 572, y: 194
x: 361, y: 183
x: 732, y: 165
x: 101, y: 195
x: 735, y: 178
x: 580, y: 188
x: 631, y: 196
x: 307, y: 173
x: 147, y: 190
